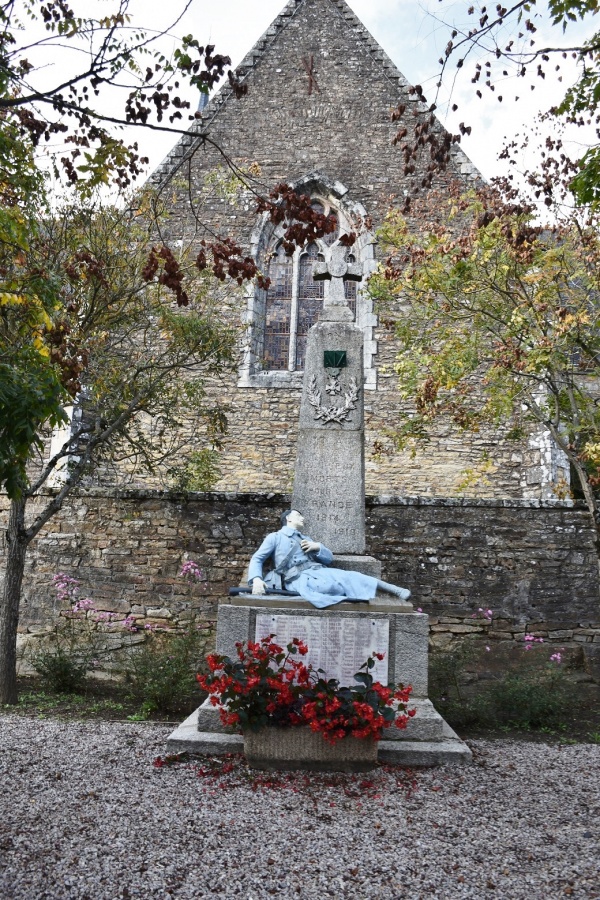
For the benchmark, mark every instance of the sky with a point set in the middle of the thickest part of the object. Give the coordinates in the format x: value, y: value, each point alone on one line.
x: 410, y: 31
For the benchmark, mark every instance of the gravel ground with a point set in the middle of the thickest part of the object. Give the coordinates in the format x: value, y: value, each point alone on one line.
x: 84, y: 813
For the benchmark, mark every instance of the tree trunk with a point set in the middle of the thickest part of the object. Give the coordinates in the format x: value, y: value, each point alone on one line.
x: 17, y: 542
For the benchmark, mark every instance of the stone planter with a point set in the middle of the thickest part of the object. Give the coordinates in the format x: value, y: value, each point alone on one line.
x: 301, y: 748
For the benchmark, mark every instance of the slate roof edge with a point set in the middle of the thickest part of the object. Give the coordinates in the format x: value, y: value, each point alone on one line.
x: 193, y: 137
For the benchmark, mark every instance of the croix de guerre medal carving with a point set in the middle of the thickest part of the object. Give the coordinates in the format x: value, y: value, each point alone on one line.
x: 336, y: 269
x: 337, y: 414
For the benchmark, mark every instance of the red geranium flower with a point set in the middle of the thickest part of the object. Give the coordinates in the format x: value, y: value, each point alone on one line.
x: 266, y: 685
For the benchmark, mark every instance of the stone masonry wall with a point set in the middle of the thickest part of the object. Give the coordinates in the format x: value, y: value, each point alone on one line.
x: 533, y: 564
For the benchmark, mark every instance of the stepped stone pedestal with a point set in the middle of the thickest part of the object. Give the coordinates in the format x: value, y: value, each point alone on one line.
x: 329, y: 491
x: 426, y: 741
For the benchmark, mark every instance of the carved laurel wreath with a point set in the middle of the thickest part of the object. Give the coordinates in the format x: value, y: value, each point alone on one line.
x: 336, y: 414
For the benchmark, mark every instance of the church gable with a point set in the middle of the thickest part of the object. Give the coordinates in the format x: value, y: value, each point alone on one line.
x: 317, y: 116
x: 321, y: 92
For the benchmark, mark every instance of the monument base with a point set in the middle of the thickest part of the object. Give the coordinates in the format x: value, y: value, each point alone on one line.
x: 381, y: 603
x: 427, y: 724
x: 288, y: 749
x: 449, y: 750
x: 405, y: 642
x: 344, y: 635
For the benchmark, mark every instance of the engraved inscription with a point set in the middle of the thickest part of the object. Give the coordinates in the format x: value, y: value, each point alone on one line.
x: 325, y: 509
x: 338, y: 645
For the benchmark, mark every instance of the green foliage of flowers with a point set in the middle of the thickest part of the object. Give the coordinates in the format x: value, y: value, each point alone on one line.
x: 532, y: 700
x: 200, y: 472
x: 267, y: 686
x: 30, y: 396
x: 498, y: 321
x: 62, y: 667
x: 64, y: 657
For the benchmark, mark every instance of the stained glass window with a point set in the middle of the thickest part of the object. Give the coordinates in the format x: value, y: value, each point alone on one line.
x: 295, y: 299
x: 278, y: 312
x: 310, y: 300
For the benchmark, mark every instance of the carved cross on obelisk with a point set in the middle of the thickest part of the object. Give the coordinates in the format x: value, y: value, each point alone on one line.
x: 337, y: 270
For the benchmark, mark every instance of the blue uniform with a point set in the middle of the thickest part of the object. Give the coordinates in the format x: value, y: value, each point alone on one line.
x: 309, y: 574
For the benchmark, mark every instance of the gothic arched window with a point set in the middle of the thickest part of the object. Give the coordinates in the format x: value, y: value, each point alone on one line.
x: 279, y: 319
x: 294, y: 301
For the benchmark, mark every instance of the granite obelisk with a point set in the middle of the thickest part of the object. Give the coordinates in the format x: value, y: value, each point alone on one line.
x: 329, y: 483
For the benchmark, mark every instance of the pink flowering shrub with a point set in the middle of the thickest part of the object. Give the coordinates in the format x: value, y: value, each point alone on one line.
x: 530, y: 640
x: 161, y: 673
x: 64, y: 656
x: 191, y: 571
x: 517, y: 690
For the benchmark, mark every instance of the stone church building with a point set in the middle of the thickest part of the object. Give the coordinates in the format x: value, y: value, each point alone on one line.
x: 317, y: 115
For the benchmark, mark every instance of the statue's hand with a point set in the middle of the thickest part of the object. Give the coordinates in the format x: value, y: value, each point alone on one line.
x: 258, y: 586
x: 310, y: 546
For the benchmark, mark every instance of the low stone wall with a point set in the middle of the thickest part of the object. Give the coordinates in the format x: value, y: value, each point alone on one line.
x: 578, y: 647
x: 445, y: 630
x: 532, y: 563
x: 527, y: 560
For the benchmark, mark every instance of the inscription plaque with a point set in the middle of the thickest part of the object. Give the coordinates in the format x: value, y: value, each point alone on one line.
x: 338, y: 645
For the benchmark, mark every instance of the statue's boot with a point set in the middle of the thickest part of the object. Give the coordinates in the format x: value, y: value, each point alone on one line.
x: 402, y: 593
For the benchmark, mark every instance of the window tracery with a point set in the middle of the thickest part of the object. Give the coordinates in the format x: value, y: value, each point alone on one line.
x: 278, y: 320
x: 294, y: 300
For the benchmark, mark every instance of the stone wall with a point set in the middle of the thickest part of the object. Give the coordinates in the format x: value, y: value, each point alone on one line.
x: 532, y: 563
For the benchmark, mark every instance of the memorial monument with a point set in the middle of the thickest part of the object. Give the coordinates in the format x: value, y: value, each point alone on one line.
x: 329, y: 481
x: 329, y: 505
